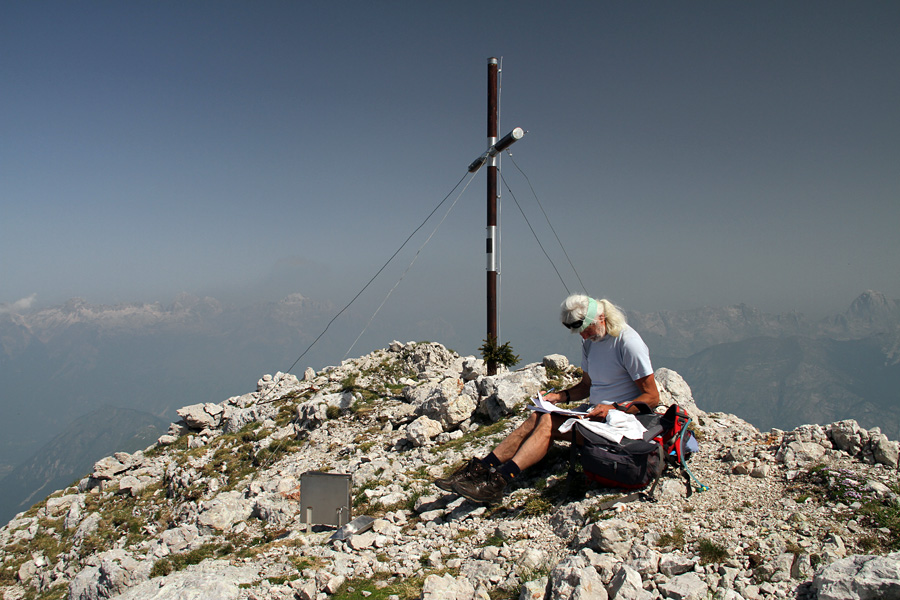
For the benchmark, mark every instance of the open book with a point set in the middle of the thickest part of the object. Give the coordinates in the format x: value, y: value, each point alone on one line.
x: 541, y: 405
x: 618, y: 424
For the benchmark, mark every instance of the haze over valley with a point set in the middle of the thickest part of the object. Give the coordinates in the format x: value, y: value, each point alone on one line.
x: 70, y: 373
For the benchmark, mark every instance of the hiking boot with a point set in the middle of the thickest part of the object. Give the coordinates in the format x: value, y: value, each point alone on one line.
x: 488, y: 490
x: 474, y: 469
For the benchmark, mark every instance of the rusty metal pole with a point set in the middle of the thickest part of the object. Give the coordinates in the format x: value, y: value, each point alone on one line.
x: 495, y: 147
x: 491, y: 245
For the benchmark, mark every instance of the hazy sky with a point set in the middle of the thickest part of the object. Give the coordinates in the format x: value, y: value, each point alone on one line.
x: 688, y: 154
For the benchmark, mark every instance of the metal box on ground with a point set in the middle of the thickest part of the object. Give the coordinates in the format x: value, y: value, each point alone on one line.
x: 325, y: 498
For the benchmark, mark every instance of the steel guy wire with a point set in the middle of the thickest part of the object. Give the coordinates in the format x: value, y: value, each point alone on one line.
x: 365, y: 287
x: 412, y: 262
x: 269, y: 461
x: 534, y: 233
x: 583, y: 287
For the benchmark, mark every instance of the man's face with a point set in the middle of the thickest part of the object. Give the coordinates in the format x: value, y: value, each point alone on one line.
x: 597, y: 330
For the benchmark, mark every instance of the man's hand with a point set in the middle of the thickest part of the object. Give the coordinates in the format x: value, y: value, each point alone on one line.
x: 599, y: 412
x: 553, y: 397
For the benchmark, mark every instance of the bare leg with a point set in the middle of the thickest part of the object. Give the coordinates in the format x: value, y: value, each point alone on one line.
x: 509, y: 446
x: 521, y: 449
x: 538, y: 443
x: 530, y: 442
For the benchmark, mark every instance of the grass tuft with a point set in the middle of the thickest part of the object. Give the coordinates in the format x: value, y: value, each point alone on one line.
x: 710, y: 551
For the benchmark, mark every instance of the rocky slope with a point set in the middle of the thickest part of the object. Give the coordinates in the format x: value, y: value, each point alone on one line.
x: 212, y: 510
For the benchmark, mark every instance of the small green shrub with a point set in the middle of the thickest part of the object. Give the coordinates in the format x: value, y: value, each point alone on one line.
x: 406, y: 589
x: 177, y: 562
x: 494, y: 540
x: 536, y: 506
x: 501, y: 355
x: 673, y: 539
x: 710, y: 551
x: 556, y: 378
x: 161, y: 568
x: 348, y: 384
x: 874, y: 513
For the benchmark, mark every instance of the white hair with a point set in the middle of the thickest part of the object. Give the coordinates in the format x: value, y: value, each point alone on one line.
x: 575, y: 308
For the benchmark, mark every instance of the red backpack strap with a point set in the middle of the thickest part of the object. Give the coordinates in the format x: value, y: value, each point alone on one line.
x: 643, y: 408
x: 674, y: 420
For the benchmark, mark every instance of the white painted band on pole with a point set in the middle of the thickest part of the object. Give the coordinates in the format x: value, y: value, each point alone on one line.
x: 491, y: 247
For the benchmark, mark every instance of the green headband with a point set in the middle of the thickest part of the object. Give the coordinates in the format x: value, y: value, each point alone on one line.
x: 590, y: 316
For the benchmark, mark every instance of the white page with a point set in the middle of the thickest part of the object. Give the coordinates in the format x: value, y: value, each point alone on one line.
x: 541, y: 405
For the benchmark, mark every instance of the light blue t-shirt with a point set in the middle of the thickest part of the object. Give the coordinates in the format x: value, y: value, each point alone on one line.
x: 613, y: 364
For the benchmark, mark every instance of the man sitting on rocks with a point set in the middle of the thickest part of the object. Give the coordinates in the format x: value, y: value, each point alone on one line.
x: 617, y: 372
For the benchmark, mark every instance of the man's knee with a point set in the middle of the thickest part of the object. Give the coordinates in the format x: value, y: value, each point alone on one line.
x: 529, y: 424
x: 545, y: 424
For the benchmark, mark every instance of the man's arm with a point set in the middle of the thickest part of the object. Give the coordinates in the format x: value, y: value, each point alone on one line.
x: 649, y: 396
x: 649, y: 393
x: 579, y: 391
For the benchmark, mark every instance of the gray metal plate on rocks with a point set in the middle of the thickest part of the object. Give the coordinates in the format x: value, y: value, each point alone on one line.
x: 325, y: 498
x: 357, y: 525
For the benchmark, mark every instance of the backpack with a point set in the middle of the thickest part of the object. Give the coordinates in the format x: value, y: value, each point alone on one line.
x: 635, y: 464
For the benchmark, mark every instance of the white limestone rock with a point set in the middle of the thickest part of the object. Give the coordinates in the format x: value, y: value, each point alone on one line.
x: 275, y: 509
x: 108, y: 574
x: 75, y: 513
x: 202, y: 416
x: 556, y: 362
x: 88, y: 526
x: 223, y: 511
x: 573, y: 579
x: 180, y: 539
x: 885, y: 451
x: 685, y: 587
x: 848, y: 436
x: 859, y: 577
x: 801, y: 454
x: 210, y: 579
x: 447, y: 405
x: 611, y: 535
x: 626, y: 585
x: 107, y: 468
x: 473, y: 368
x: 673, y: 564
x: 534, y: 589
x: 447, y: 587
x: 673, y: 389
x: 132, y: 486
x: 420, y: 431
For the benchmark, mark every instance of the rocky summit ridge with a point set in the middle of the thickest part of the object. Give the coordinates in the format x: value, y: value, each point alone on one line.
x: 212, y: 510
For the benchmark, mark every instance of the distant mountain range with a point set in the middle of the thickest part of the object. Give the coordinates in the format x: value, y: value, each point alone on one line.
x: 63, y: 362
x: 785, y: 370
